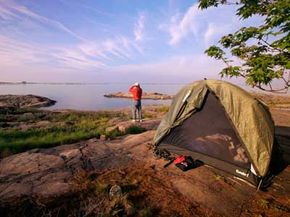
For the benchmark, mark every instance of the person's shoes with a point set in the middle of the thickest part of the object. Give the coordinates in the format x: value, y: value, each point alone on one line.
x: 133, y: 120
x: 140, y: 120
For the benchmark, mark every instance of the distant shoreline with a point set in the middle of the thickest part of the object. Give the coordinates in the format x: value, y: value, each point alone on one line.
x: 29, y: 100
x: 146, y: 95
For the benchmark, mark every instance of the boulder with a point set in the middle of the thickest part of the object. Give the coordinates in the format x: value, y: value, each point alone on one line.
x: 24, y: 101
x: 48, y: 173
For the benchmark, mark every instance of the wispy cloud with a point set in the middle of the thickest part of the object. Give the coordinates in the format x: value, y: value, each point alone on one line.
x: 214, y: 30
x: 139, y: 28
x: 119, y: 47
x: 179, y: 28
x: 78, y: 38
x: 75, y: 59
x: 185, y: 68
x: 6, y: 14
x: 86, y: 6
x: 82, y: 54
x: 13, y: 11
x: 14, y: 52
x: 205, y: 26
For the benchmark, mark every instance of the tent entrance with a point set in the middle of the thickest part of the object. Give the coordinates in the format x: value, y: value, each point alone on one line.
x: 208, y: 132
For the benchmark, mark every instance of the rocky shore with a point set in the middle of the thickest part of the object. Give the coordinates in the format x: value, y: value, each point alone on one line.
x: 24, y: 101
x: 146, y: 95
x: 77, y: 178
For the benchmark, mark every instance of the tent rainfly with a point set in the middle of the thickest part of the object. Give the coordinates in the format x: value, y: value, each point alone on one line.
x: 222, y: 125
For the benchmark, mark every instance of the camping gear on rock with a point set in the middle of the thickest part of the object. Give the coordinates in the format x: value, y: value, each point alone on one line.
x: 184, y: 162
x: 221, y: 125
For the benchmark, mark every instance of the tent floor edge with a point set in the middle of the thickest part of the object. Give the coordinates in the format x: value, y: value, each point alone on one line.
x: 234, y: 170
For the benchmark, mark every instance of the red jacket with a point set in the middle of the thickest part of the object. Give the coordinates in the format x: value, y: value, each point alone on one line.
x: 136, y: 92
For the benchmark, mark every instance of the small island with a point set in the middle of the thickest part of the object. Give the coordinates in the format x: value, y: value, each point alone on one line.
x: 146, y: 95
x: 24, y: 101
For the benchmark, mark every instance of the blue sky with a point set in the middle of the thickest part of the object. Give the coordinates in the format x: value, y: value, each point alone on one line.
x: 111, y: 40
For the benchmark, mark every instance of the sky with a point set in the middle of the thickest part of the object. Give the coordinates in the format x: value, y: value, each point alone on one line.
x: 111, y: 40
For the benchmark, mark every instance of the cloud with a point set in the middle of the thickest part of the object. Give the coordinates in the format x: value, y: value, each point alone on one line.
x: 175, y: 69
x: 13, y: 11
x: 19, y: 59
x: 113, y: 54
x: 15, y: 53
x: 6, y: 14
x: 109, y: 49
x: 75, y: 59
x: 212, y: 31
x: 12, y: 51
x: 179, y: 28
x: 139, y: 28
x: 87, y: 55
x: 205, y: 26
x: 87, y: 6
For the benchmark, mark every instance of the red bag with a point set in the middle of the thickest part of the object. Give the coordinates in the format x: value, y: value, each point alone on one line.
x: 179, y: 159
x: 184, y: 162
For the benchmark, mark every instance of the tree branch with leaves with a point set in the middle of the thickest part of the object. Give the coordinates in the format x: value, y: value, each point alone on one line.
x: 264, y: 50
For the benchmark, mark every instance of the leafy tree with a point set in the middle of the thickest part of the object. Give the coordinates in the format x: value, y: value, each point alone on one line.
x: 264, y: 50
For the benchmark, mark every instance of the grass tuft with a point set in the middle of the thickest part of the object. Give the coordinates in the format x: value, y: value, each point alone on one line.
x: 135, y: 129
x: 162, y: 109
x: 264, y: 203
x: 146, y: 212
x: 114, y: 133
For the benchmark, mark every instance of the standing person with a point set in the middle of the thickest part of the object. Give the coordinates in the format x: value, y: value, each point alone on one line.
x: 136, y: 92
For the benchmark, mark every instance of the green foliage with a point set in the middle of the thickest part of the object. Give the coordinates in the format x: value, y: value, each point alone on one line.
x: 24, y: 129
x: 230, y: 71
x: 215, y: 52
x: 46, y: 129
x: 264, y: 50
x: 135, y: 129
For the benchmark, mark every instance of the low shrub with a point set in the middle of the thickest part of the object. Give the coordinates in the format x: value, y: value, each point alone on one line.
x: 135, y: 129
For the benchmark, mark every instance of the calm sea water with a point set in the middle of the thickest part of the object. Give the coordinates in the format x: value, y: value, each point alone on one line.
x: 87, y: 96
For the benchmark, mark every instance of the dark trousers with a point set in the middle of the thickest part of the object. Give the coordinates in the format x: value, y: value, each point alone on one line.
x: 137, y: 109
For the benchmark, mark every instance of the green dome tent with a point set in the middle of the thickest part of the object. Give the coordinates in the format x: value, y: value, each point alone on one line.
x: 222, y: 125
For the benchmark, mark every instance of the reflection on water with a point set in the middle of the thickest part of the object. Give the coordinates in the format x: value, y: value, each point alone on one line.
x: 87, y: 96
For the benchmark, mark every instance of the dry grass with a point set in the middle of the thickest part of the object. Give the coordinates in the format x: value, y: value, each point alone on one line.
x: 145, y: 193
